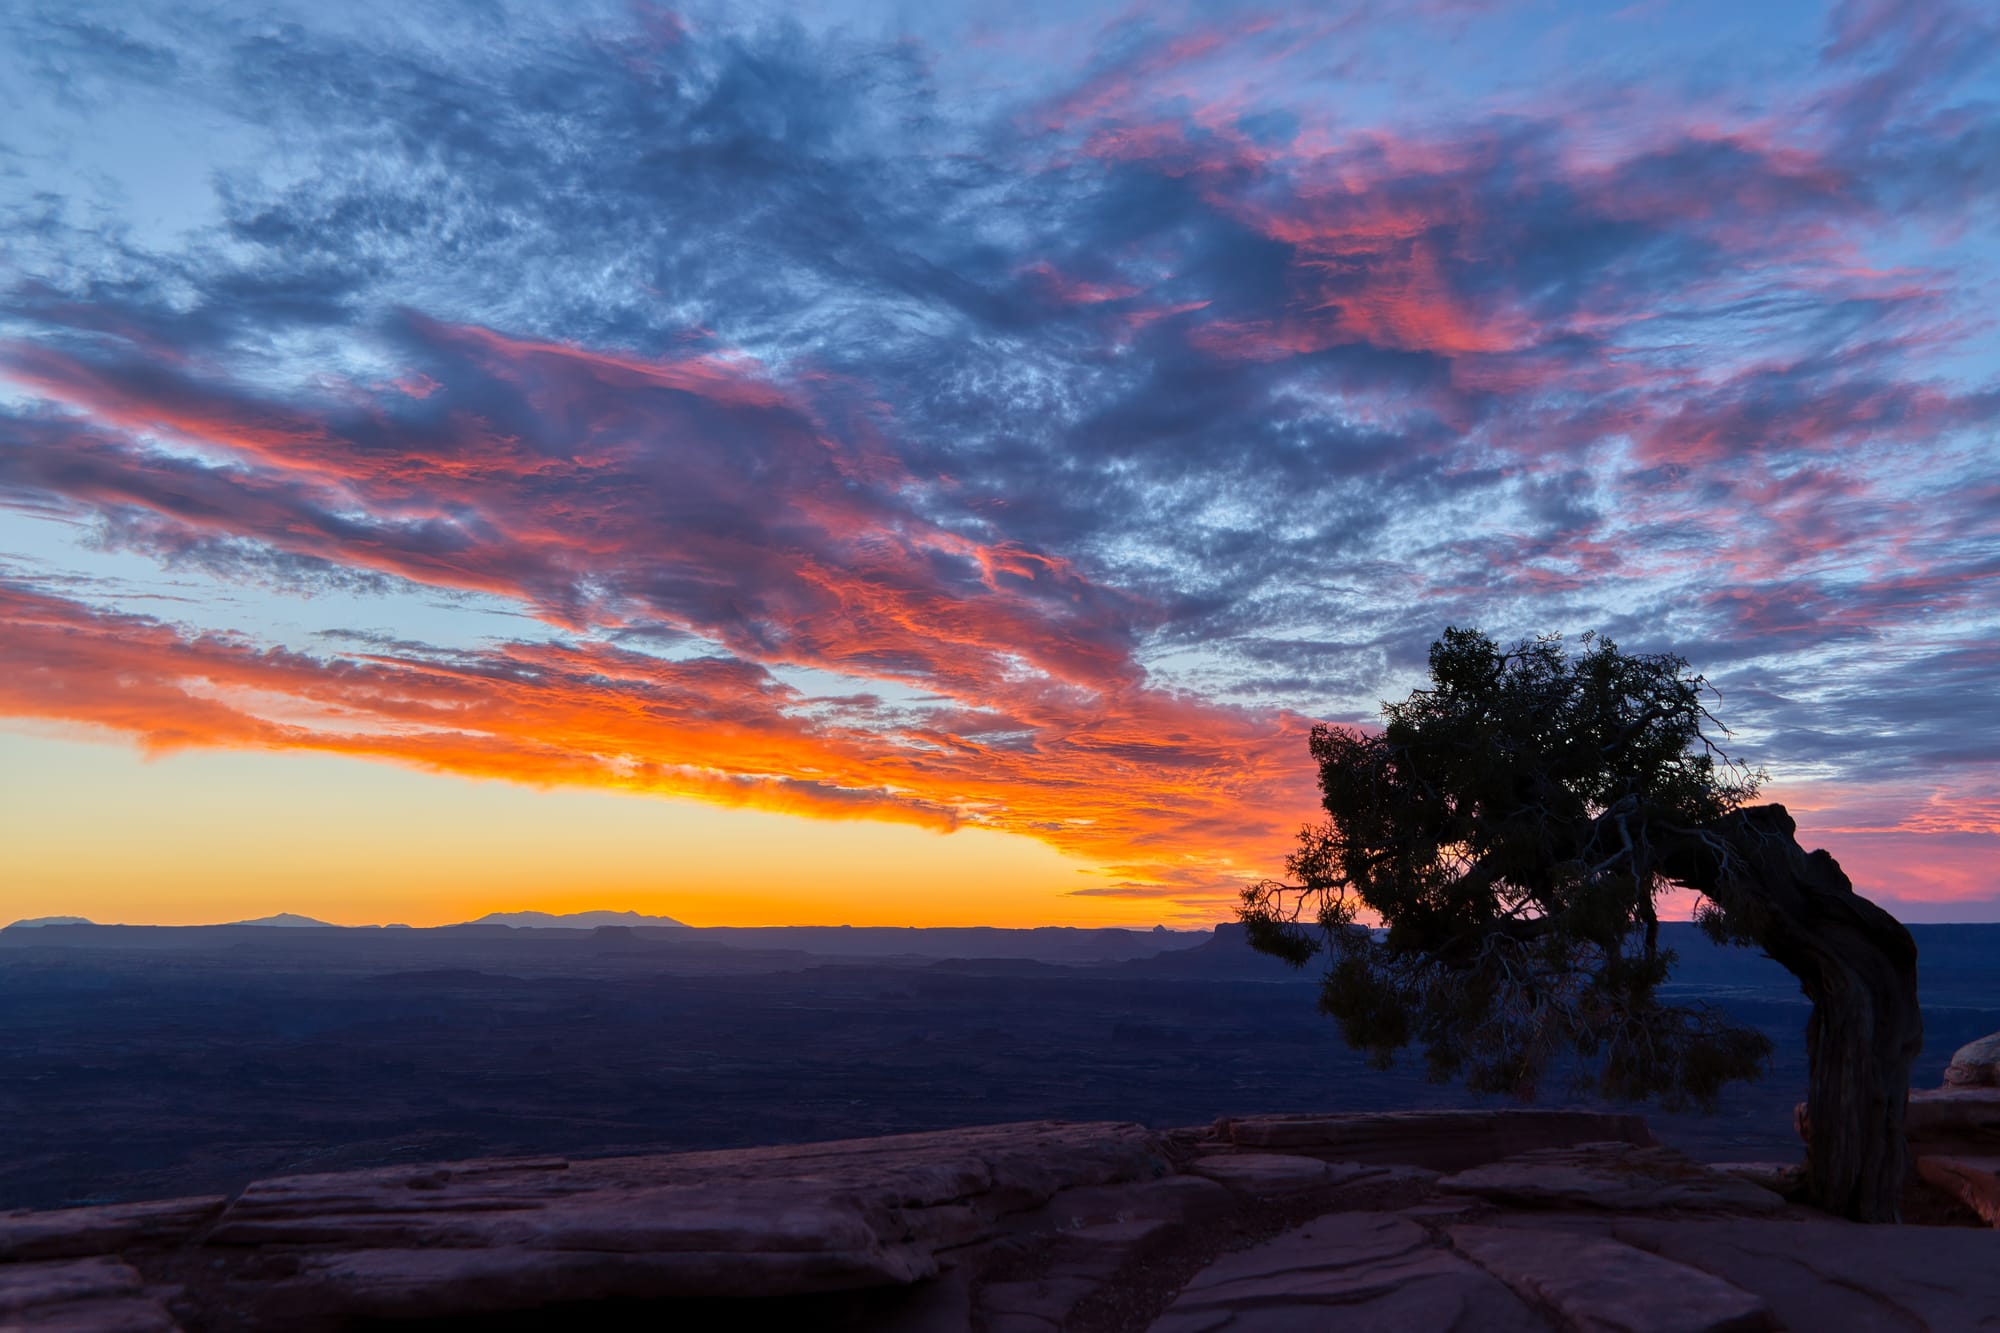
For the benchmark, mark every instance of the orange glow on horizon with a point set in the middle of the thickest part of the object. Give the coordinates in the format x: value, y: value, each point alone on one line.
x: 1186, y: 800
x: 93, y: 829
x: 195, y: 836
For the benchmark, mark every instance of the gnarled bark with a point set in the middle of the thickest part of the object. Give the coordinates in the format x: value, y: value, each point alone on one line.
x: 1858, y: 966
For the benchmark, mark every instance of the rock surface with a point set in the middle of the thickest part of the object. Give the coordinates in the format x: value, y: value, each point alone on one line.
x: 1965, y: 1115
x: 1359, y: 1272
x: 1596, y: 1283
x: 484, y: 1237
x: 1268, y: 1175
x: 98, y: 1295
x: 1955, y: 1130
x: 1975, y: 1065
x: 1781, y: 1178
x: 1615, y: 1177
x: 1439, y: 1140
x: 1825, y: 1274
x: 62, y: 1233
x: 1026, y: 1228
x: 1974, y: 1181
x: 1958, y: 1114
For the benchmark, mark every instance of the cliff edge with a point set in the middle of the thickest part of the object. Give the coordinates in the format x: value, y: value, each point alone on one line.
x: 1411, y: 1221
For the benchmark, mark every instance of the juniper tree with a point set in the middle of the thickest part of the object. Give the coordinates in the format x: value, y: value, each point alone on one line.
x: 1513, y: 827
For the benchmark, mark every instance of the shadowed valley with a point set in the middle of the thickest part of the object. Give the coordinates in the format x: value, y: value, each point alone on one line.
x: 146, y: 1061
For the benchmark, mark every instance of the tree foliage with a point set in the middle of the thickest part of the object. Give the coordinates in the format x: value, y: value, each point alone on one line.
x: 1512, y: 828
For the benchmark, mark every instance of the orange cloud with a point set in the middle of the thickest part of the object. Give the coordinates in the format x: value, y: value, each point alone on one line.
x: 1185, y: 796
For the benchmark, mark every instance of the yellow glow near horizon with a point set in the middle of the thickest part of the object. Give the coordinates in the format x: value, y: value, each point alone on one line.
x: 97, y: 830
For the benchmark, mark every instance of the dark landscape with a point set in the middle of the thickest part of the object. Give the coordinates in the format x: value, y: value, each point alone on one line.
x: 145, y: 1062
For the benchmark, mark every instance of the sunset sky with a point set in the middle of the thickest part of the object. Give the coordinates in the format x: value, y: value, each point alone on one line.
x: 906, y: 463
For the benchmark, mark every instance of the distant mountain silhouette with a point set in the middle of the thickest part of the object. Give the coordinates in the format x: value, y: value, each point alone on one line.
x: 54, y: 921
x: 1225, y: 954
x: 285, y: 919
x: 1050, y: 944
x: 573, y: 920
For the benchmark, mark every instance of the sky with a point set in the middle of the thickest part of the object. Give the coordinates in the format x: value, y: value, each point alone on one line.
x: 932, y: 464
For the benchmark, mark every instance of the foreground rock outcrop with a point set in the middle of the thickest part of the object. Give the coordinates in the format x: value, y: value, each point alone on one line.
x: 1975, y: 1064
x: 1955, y: 1136
x: 1954, y: 1130
x: 1425, y: 1220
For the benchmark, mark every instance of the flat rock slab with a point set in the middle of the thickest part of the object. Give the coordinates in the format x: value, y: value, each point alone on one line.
x: 1975, y: 1181
x: 1781, y: 1178
x: 1049, y: 1298
x: 1819, y: 1274
x: 63, y: 1233
x: 489, y: 1237
x: 1358, y: 1272
x: 1600, y: 1285
x: 1616, y: 1177
x: 1965, y: 1115
x: 447, y: 1282
x: 1439, y: 1140
x: 1269, y: 1175
x: 1098, y: 1252
x: 98, y: 1295
x: 1168, y: 1199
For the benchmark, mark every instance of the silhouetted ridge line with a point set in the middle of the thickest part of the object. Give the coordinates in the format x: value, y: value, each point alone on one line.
x: 574, y: 920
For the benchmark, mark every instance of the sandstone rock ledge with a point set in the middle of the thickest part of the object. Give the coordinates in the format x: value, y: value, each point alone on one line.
x: 1955, y: 1136
x: 1547, y: 1221
x: 1954, y: 1130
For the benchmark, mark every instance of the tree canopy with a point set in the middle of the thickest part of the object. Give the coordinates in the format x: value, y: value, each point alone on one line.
x: 1510, y: 829
x: 1486, y: 886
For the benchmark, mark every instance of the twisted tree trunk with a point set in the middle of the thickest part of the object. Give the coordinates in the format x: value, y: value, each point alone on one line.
x: 1858, y: 966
